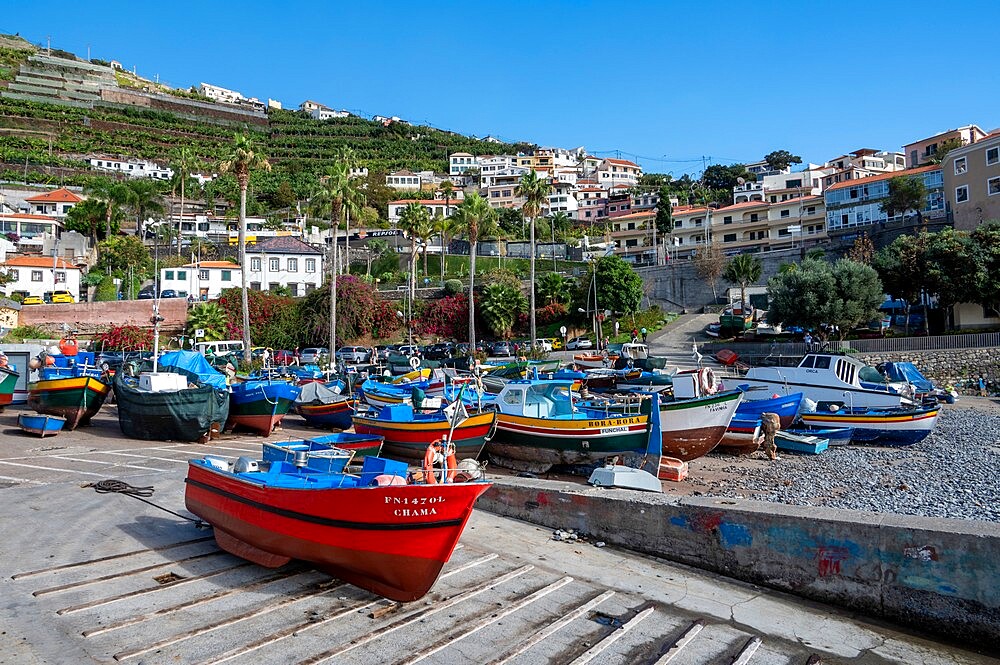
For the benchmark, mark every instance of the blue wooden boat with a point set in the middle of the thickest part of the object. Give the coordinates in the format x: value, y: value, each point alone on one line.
x: 838, y: 436
x: 742, y: 437
x: 39, y: 424
x: 786, y: 406
x: 326, y: 405
x: 360, y: 445
x: 890, y: 427
x: 811, y: 445
x: 260, y: 404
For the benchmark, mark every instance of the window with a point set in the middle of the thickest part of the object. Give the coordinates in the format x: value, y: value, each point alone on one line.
x: 728, y: 219
x: 202, y: 274
x: 273, y: 286
x: 60, y: 276
x: 960, y: 166
x: 310, y: 265
x: 36, y: 275
x: 255, y: 265
x: 169, y: 274
x: 513, y: 397
x: 789, y: 184
x: 729, y: 237
x: 822, y: 362
x: 293, y: 265
x: 255, y: 286
x: 811, y: 210
x: 992, y: 156
x: 993, y: 186
x: 14, y: 274
x: 274, y: 265
x: 753, y: 217
x: 227, y: 275
x: 785, y: 213
x: 962, y: 194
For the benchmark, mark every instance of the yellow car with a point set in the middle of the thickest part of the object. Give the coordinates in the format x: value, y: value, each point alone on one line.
x: 62, y: 296
x: 558, y: 344
x: 32, y: 300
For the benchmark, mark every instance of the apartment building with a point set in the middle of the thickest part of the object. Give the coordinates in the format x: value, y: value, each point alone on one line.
x: 635, y: 237
x: 612, y: 172
x: 404, y: 181
x: 502, y: 193
x: 741, y: 227
x: 923, y: 151
x: 861, y: 163
x: 796, y: 222
x: 857, y: 203
x: 460, y: 162
x: 286, y: 262
x: 690, y: 228
x: 972, y: 182
x: 434, y: 207
x: 132, y: 168
x: 592, y: 205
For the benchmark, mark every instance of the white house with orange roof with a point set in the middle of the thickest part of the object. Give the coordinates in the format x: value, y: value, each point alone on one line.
x: 36, y: 275
x: 29, y: 226
x: 618, y: 172
x: 690, y: 229
x: 56, y: 203
x: 202, y: 279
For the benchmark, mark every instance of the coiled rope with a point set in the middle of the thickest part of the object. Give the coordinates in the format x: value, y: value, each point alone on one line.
x: 113, y: 486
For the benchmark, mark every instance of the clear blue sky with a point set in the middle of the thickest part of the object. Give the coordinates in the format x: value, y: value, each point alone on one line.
x: 663, y: 82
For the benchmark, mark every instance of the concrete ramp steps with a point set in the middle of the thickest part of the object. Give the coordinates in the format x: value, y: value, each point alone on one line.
x: 190, y: 602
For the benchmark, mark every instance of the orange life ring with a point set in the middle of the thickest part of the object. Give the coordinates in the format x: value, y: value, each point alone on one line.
x: 68, y: 347
x: 449, y: 461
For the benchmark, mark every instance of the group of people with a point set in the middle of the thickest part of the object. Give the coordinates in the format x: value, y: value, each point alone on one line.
x: 636, y: 333
x: 818, y: 341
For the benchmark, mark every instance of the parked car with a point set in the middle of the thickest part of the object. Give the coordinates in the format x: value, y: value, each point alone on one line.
x: 502, y: 349
x: 284, y: 357
x: 171, y: 293
x: 408, y: 350
x: 146, y: 293
x: 543, y: 344
x: 462, y: 349
x: 353, y: 354
x: 313, y: 354
x: 579, y: 343
x: 558, y: 343
x: 382, y: 351
x: 111, y: 361
x: 62, y: 297
x: 32, y: 300
x: 440, y: 351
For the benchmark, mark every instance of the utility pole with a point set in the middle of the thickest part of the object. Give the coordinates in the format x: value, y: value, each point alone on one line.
x: 48, y: 44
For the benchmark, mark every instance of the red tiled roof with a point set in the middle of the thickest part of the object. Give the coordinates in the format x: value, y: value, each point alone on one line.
x: 687, y: 210
x: 636, y: 215
x: 621, y: 161
x: 38, y: 262
x: 440, y: 202
x: 21, y: 215
x: 745, y: 204
x: 61, y: 195
x: 282, y: 245
x: 884, y: 176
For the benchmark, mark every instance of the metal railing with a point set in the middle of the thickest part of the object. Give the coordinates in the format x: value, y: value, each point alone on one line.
x: 881, y: 345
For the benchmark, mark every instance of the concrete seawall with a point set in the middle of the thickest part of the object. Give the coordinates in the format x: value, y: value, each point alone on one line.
x: 937, y: 575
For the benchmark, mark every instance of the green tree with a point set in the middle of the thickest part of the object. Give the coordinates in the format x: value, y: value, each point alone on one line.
x: 414, y: 220
x: 207, y: 316
x: 846, y: 294
x: 554, y: 288
x: 779, y: 160
x: 619, y: 288
x: 954, y: 267
x: 425, y: 230
x: 446, y: 229
x: 112, y: 195
x: 986, y: 239
x: 905, y: 193
x: 184, y: 162
x: 284, y: 196
x: 664, y: 213
x: 944, y: 148
x: 722, y: 177
x: 901, y: 267
x: 88, y: 218
x: 146, y: 199
x: 501, y: 304
x: 242, y: 158
x: 743, y: 269
x: 118, y: 254
x: 535, y: 192
x: 107, y: 290
x: 477, y: 217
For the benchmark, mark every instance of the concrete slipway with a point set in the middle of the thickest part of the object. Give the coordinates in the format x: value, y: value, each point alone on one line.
x: 105, y: 578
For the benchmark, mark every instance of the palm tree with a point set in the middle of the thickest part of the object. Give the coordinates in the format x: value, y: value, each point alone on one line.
x: 535, y: 192
x: 211, y: 318
x: 184, y: 162
x: 501, y: 305
x: 343, y: 196
x: 425, y: 231
x: 204, y: 248
x: 113, y: 195
x: 146, y: 199
x: 376, y: 248
x: 413, y: 220
x: 447, y: 188
x: 478, y: 218
x: 241, y: 159
x: 743, y: 269
x: 446, y: 228
x: 554, y: 288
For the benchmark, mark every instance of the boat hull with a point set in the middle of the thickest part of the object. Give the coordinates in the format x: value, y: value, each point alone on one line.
x: 77, y: 398
x: 194, y: 414
x: 902, y: 428
x: 837, y: 436
x: 408, y: 440
x: 691, y: 428
x: 539, y: 443
x: 335, y: 414
x: 773, y: 382
x: 742, y: 436
x: 786, y: 407
x: 40, y: 425
x: 260, y: 405
x: 392, y: 541
x: 8, y: 382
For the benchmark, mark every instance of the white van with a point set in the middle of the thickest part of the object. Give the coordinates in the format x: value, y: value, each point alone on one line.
x: 220, y: 348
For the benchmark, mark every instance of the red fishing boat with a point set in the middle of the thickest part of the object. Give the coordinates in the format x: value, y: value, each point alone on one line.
x: 372, y: 529
x: 408, y: 433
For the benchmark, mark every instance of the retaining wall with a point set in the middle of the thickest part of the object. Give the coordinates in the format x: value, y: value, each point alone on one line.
x: 954, y: 366
x: 938, y: 575
x: 88, y: 317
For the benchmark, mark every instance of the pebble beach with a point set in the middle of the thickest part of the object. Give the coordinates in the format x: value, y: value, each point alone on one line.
x: 951, y: 473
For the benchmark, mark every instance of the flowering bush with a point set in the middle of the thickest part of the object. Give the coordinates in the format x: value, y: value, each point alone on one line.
x: 124, y: 338
x: 361, y: 312
x: 446, y: 317
x: 274, y: 320
x: 551, y: 313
